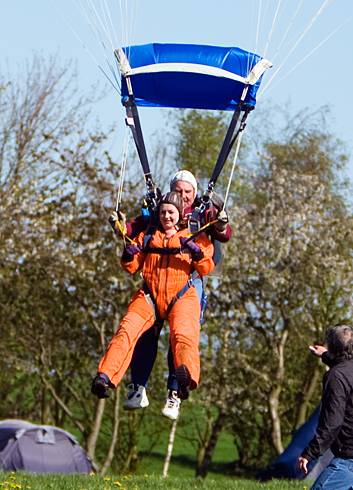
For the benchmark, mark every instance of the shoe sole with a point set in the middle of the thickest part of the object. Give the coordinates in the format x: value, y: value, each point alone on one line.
x: 168, y: 416
x: 128, y: 407
x: 184, y: 379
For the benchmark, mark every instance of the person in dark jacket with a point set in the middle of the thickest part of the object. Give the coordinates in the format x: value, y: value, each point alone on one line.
x: 335, y: 427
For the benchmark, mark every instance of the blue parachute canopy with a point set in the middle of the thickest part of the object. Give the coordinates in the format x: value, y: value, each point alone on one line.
x: 190, y: 76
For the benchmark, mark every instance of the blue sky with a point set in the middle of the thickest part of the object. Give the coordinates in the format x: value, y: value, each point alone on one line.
x: 27, y: 27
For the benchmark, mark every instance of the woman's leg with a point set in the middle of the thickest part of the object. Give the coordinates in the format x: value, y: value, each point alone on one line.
x: 184, y: 321
x: 139, y: 318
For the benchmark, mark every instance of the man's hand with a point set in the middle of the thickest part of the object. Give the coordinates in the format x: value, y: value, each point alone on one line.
x: 317, y: 350
x: 303, y: 464
x: 117, y: 216
x: 222, y: 220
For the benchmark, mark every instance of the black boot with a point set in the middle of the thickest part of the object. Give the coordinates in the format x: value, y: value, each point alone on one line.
x: 100, y: 386
x: 184, y: 379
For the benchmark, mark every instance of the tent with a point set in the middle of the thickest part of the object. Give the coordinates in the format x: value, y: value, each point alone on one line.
x: 40, y: 449
x: 286, y: 466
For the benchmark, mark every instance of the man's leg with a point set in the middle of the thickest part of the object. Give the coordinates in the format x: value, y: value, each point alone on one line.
x: 144, y: 356
x: 338, y: 475
x: 141, y: 366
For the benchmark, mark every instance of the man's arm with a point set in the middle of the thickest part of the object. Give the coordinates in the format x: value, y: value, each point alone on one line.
x: 332, y: 412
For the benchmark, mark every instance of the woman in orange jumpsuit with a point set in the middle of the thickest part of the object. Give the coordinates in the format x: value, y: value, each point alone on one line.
x: 166, y: 262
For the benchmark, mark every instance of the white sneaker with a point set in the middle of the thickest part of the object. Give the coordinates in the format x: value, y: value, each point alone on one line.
x: 172, y: 405
x: 135, y: 397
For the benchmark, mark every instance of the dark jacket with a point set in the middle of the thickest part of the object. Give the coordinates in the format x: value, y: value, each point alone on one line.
x: 335, y: 427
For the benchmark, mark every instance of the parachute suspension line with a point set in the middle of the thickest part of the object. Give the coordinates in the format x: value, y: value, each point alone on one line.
x: 287, y: 31
x: 269, y: 38
x: 88, y: 51
x: 237, y: 148
x: 122, y: 169
x: 127, y: 27
x: 230, y: 138
x: 300, y: 38
x: 258, y: 24
x: 257, y: 34
x: 311, y: 52
x: 101, y: 32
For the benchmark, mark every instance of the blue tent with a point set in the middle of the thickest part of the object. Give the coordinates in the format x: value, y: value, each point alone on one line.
x: 286, y: 464
x: 190, y: 75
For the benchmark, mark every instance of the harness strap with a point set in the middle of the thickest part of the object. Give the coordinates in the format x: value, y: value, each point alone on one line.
x: 148, y: 295
x: 162, y: 251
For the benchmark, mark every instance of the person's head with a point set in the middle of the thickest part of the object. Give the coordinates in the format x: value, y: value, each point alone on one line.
x: 185, y: 184
x: 339, y: 341
x: 170, y: 210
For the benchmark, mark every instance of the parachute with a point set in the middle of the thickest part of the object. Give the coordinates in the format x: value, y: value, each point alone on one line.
x: 189, y: 76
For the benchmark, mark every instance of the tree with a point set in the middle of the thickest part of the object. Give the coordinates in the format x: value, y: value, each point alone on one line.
x: 287, y: 278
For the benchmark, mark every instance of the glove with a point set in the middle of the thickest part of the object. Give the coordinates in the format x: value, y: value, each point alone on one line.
x: 117, y: 216
x: 100, y: 386
x: 129, y: 252
x: 195, y: 251
x: 222, y: 220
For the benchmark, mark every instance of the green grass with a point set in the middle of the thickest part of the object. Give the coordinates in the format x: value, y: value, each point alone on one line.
x: 24, y: 481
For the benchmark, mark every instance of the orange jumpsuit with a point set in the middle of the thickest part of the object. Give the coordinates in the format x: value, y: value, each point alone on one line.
x: 164, y: 276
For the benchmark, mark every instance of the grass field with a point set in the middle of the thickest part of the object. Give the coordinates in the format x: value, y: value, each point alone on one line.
x: 23, y: 481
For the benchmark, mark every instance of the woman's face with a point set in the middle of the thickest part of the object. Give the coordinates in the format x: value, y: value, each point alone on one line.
x: 168, y: 216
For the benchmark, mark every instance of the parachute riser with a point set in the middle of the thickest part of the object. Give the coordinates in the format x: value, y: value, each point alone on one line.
x: 132, y: 120
x: 228, y: 143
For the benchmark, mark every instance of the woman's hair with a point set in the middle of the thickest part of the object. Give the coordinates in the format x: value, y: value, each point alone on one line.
x: 175, y: 199
x: 339, y: 340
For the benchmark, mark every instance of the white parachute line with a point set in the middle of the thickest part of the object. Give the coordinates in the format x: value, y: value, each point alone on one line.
x: 233, y: 168
x: 295, y: 45
x: 274, y: 20
x: 287, y: 31
x: 133, y: 19
x: 97, y: 33
x: 124, y: 16
x: 122, y: 39
x: 332, y: 33
x: 85, y: 47
x: 123, y: 168
x: 101, y: 27
x: 257, y: 33
x: 110, y: 24
x: 257, y: 14
x: 258, y: 24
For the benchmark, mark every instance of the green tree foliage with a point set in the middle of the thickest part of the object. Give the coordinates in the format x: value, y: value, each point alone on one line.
x: 286, y: 276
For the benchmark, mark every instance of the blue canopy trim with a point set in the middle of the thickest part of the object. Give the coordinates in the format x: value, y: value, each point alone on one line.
x: 190, y: 76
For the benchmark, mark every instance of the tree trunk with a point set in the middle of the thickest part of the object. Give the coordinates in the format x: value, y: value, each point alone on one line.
x: 203, y: 465
x: 308, y: 392
x: 273, y: 400
x: 114, y: 437
x: 132, y: 450
x: 93, y: 436
x: 44, y: 407
x: 169, y: 448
